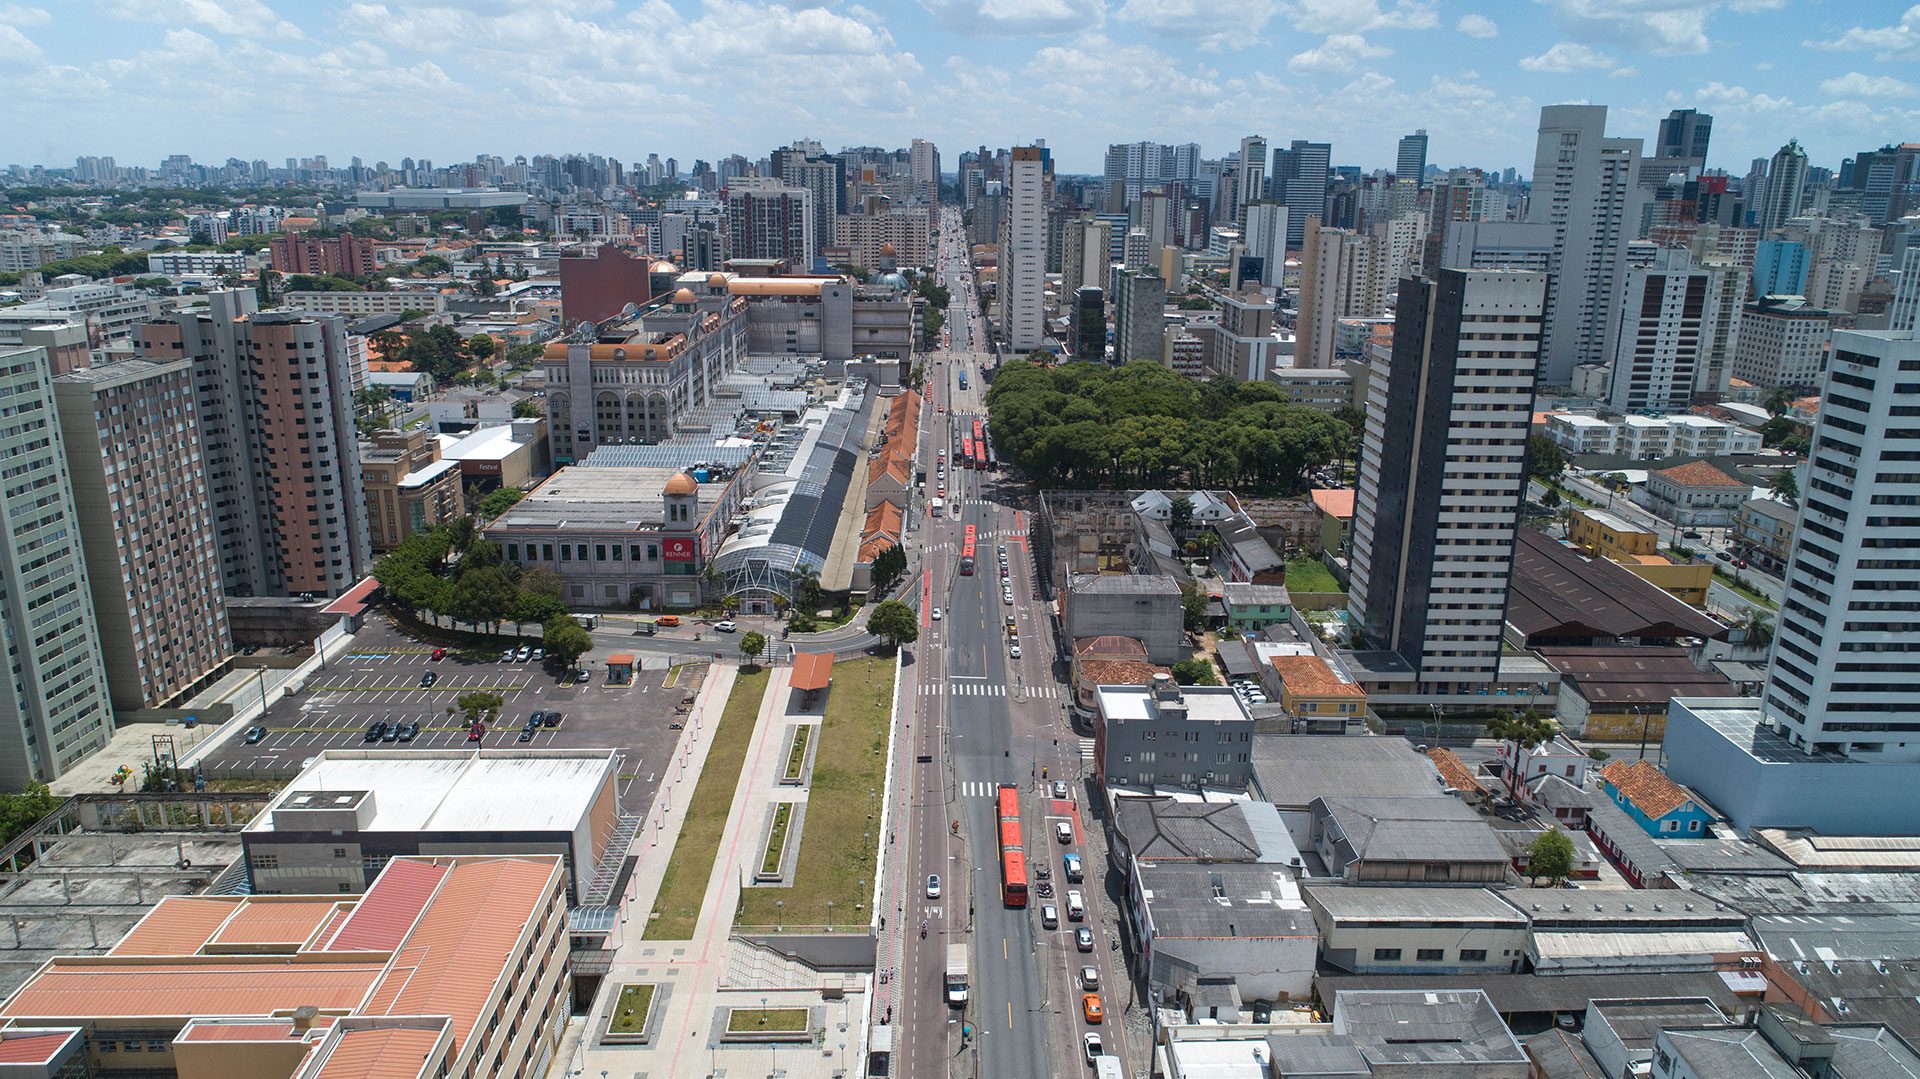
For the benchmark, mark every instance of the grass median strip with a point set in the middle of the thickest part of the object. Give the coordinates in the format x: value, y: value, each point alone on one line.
x: 797, y: 756
x: 631, y: 1010
x: 838, y: 847
x: 757, y: 1020
x: 683, y: 886
x: 777, y: 839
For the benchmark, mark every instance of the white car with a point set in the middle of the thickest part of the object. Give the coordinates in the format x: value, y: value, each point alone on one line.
x: 936, y: 614
x: 1007, y: 597
x: 1014, y: 651
x: 727, y: 625
x: 1091, y: 1045
x: 933, y: 886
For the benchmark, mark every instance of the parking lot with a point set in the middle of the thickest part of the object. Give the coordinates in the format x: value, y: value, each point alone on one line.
x: 379, y: 681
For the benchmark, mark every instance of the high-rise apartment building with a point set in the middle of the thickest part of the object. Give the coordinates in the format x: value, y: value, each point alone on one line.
x: 1139, y: 318
x: 1266, y: 238
x: 1780, y: 268
x: 345, y: 255
x: 54, y: 704
x: 1498, y: 245
x: 131, y: 433
x: 1086, y: 250
x: 1442, y: 473
x: 923, y: 160
x: 1844, y: 676
x: 1252, y: 185
x: 1343, y: 274
x: 1783, y: 342
x: 276, y: 431
x: 1584, y: 185
x: 1410, y: 164
x: 1786, y: 187
x: 767, y: 219
x: 1301, y: 173
x: 1684, y: 134
x: 1023, y: 251
x: 1087, y: 324
x: 824, y: 178
x: 1659, y: 345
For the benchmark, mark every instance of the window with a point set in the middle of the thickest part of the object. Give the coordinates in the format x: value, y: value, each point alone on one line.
x: 1473, y: 955
x: 1386, y: 955
x: 339, y: 852
x: 1430, y: 955
x: 1693, y: 826
x: 1669, y: 825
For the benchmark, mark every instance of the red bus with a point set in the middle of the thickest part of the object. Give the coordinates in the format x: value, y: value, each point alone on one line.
x: 966, y: 551
x: 1013, y: 855
x: 966, y: 453
x: 979, y: 445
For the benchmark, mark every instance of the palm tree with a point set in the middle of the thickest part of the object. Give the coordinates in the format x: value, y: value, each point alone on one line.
x: 1779, y: 400
x: 1756, y: 626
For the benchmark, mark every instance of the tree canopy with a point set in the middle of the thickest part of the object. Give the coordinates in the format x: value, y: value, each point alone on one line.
x: 1143, y: 425
x: 1550, y: 856
x: 894, y: 621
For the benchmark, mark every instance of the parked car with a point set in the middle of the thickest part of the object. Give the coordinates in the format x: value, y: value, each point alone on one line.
x: 1013, y: 650
x: 522, y: 654
x: 474, y: 732
x: 582, y: 676
x: 375, y: 732
x: 725, y: 625
x: 255, y: 733
x: 439, y: 653
x: 408, y: 731
x: 1049, y: 916
x: 525, y: 736
x: 538, y: 655
x: 428, y: 679
x: 534, y: 719
x: 506, y: 655
x: 552, y: 720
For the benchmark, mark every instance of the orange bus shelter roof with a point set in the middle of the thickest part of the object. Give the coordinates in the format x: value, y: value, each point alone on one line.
x: 812, y: 670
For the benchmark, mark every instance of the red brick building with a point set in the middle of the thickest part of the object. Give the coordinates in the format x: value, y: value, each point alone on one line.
x: 345, y: 255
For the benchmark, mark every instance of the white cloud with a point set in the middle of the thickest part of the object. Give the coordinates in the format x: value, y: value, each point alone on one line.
x: 1473, y: 24
x: 1886, y: 42
x: 235, y: 18
x: 1218, y: 24
x: 17, y: 50
x: 1665, y: 27
x: 1339, y: 54
x: 1567, y: 56
x: 1856, y: 85
x: 996, y: 17
x: 1360, y: 16
x: 18, y: 15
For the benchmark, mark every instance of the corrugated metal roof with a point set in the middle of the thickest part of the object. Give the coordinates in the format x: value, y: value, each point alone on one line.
x: 378, y: 1054
x: 465, y: 940
x: 100, y: 988
x: 34, y: 1048
x: 177, y: 925
x: 390, y: 908
x: 274, y: 920
x: 812, y: 670
x: 322, y: 938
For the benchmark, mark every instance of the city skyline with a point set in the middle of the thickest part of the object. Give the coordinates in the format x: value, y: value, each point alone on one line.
x: 114, y: 78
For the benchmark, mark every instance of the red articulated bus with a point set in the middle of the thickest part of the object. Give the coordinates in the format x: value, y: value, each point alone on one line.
x: 967, y: 551
x: 1013, y: 855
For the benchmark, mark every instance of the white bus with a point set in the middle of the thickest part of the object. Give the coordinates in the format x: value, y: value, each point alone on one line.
x: 939, y: 507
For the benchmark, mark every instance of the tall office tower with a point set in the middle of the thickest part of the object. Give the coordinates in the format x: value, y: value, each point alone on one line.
x: 1786, y: 186
x: 1343, y: 274
x: 923, y: 158
x: 276, y: 430
x: 1186, y: 161
x: 1780, y: 268
x: 1252, y: 184
x: 1844, y: 676
x: 1684, y: 134
x: 1139, y: 318
x: 1266, y: 238
x: 1155, y: 212
x: 1085, y: 253
x: 766, y: 219
x: 1886, y: 182
x: 54, y: 703
x: 1087, y: 324
x: 1498, y: 245
x: 1438, y: 501
x: 1023, y: 251
x: 131, y: 433
x: 809, y: 167
x: 1658, y: 347
x: 1300, y: 177
x: 1402, y: 240
x: 1411, y: 162
x: 1584, y: 186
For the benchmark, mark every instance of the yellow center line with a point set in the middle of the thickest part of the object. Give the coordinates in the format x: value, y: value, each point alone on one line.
x: 1009, y: 1015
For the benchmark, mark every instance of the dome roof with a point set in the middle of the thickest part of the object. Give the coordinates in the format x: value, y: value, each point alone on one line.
x: 892, y: 279
x: 716, y: 280
x: 685, y: 295
x: 664, y: 266
x: 681, y: 483
x: 888, y: 249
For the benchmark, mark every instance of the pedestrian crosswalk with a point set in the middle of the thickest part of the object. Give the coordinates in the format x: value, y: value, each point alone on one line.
x: 983, y: 689
x: 1086, y: 749
x: 979, y: 789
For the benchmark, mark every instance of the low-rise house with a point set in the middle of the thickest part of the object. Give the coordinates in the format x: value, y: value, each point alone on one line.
x: 1311, y: 690
x: 1336, y: 517
x: 1368, y: 929
x: 1411, y: 839
x: 1253, y: 607
x: 1657, y: 804
x: 1763, y: 533
x: 1696, y: 495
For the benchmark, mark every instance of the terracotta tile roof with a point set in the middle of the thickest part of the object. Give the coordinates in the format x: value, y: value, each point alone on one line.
x: 340, y: 915
x: 1647, y: 787
x: 1309, y: 676
x: 387, y: 1053
x: 1334, y: 501
x: 1699, y: 474
x: 82, y: 988
x: 389, y: 909
x: 465, y: 940
x: 34, y: 1048
x: 1118, y: 672
x: 1454, y: 770
x: 1109, y: 646
x: 177, y: 925
x: 275, y: 920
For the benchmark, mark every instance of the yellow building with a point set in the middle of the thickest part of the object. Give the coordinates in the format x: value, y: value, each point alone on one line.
x: 1600, y: 534
x: 1309, y: 689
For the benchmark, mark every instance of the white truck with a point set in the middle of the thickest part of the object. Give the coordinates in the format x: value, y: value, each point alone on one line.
x: 956, y: 975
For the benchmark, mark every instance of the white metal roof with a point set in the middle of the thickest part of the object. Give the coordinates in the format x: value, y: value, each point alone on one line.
x: 454, y: 790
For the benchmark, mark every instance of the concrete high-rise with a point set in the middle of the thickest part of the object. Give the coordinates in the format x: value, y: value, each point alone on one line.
x: 54, y: 704
x: 1844, y: 676
x: 1438, y: 502
x: 131, y: 432
x: 1498, y: 245
x: 1301, y: 173
x: 1023, y: 251
x: 1086, y: 250
x: 923, y: 160
x: 1410, y: 164
x: 1660, y: 342
x: 1266, y: 238
x: 1343, y: 274
x: 276, y: 430
x: 767, y: 219
x: 1684, y: 134
x: 1786, y: 187
x: 1252, y: 185
x: 1087, y: 324
x: 1780, y: 268
x: 1139, y: 320
x: 1585, y: 186
x: 824, y: 178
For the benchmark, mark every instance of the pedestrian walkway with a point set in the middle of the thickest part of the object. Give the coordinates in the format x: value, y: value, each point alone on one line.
x: 983, y: 689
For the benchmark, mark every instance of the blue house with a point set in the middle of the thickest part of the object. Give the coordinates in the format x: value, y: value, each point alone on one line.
x: 1662, y: 808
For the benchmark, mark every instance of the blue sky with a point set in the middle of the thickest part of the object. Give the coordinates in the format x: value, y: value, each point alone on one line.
x: 446, y: 79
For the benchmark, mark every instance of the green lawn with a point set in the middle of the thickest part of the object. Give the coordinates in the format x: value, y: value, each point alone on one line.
x: 752, y: 1020
x: 630, y: 1011
x: 777, y: 838
x: 1745, y: 591
x: 1308, y: 575
x: 683, y: 886
x: 839, y: 845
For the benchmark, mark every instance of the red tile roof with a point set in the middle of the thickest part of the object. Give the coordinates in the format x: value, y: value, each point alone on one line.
x: 387, y: 1053
x: 34, y: 1048
x: 1335, y: 501
x: 390, y: 908
x: 1699, y: 474
x: 1647, y: 787
x: 1454, y: 770
x: 812, y: 670
x: 1309, y: 676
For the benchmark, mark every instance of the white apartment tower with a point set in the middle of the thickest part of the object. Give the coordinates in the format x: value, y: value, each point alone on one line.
x: 1443, y: 470
x: 54, y: 708
x: 1659, y: 345
x: 1343, y: 274
x: 1253, y: 177
x: 1266, y: 238
x: 923, y: 158
x: 1786, y: 185
x: 1023, y: 251
x: 1845, y: 671
x: 1584, y: 185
